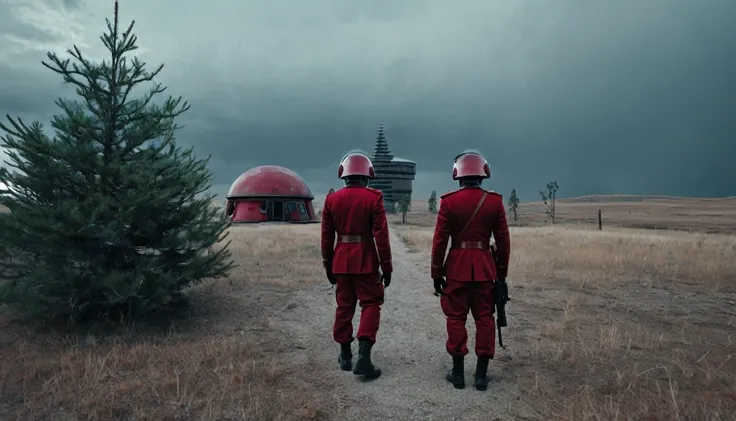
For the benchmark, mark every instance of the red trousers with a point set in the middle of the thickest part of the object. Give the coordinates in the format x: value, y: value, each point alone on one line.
x: 457, y: 299
x: 352, y: 289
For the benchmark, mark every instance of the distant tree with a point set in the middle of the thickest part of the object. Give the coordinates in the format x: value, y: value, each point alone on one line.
x: 549, y: 200
x: 513, y: 203
x: 404, y: 206
x: 109, y: 217
x: 433, y: 202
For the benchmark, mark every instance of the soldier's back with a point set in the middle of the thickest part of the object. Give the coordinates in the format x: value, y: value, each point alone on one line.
x: 355, y: 216
x: 351, y: 209
x: 462, y: 204
x: 471, y: 225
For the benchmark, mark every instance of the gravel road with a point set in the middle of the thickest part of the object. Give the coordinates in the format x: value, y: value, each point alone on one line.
x: 410, y: 350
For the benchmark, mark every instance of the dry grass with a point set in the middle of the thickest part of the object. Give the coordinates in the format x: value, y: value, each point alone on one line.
x: 205, y: 377
x: 613, y: 325
x: 223, y: 361
x: 281, y: 254
x: 598, y: 259
x: 701, y: 215
x: 620, y: 324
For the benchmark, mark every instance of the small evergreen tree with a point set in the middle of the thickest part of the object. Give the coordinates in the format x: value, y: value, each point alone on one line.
x: 549, y: 200
x: 513, y: 203
x: 108, y: 217
x: 404, y: 206
x: 433, y: 202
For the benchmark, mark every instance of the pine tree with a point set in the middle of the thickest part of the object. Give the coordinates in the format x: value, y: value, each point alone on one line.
x: 108, y: 217
x: 433, y: 202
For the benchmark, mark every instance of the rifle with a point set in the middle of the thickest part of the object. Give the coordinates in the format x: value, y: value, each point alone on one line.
x: 500, y: 298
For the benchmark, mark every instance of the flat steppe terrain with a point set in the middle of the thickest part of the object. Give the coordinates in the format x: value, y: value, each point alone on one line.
x: 634, y: 322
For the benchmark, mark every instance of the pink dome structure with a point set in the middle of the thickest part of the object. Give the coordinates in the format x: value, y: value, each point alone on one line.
x: 270, y: 193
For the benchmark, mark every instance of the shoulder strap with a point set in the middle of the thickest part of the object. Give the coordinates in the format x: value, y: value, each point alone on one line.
x: 475, y: 212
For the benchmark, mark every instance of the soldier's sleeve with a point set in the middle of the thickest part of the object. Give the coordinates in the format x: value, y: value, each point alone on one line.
x: 380, y: 233
x: 503, y: 242
x: 440, y: 240
x: 328, y: 234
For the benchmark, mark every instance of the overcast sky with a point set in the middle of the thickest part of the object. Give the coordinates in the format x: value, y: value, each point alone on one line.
x: 624, y: 96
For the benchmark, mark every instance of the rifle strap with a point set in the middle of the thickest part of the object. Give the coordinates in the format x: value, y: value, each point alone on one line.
x: 475, y: 212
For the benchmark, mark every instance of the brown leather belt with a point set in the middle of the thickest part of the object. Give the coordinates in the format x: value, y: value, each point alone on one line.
x: 354, y: 239
x: 471, y: 245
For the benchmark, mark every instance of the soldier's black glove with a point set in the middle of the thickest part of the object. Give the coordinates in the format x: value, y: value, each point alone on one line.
x: 328, y: 270
x: 386, y: 279
x: 439, y: 285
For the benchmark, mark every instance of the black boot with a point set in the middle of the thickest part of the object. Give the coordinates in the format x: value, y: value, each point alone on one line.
x: 457, y: 375
x: 346, y: 357
x: 481, y: 373
x: 364, y: 366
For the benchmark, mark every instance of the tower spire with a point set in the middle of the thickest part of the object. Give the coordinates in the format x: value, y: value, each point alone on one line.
x: 381, y: 151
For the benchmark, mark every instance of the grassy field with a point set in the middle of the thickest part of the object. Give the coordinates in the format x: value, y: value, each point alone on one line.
x: 631, y: 323
x: 220, y: 360
x: 701, y: 215
x: 624, y: 323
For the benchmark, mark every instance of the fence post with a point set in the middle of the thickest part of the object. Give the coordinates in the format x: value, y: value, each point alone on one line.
x: 600, y: 221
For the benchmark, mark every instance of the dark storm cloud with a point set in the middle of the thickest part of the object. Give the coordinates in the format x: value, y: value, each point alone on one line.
x: 605, y: 97
x: 72, y: 4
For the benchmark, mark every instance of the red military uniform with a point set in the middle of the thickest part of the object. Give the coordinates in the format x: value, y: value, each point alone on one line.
x: 470, y: 268
x: 356, y: 214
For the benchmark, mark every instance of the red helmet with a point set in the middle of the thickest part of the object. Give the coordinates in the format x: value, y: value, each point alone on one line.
x: 356, y: 163
x: 470, y: 164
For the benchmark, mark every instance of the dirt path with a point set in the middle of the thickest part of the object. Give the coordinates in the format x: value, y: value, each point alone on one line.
x: 411, y: 352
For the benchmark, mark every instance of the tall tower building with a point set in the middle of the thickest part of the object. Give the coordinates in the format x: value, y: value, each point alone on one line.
x: 393, y: 175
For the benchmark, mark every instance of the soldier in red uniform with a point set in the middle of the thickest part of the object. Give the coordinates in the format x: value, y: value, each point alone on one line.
x: 470, y: 216
x: 356, y: 213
